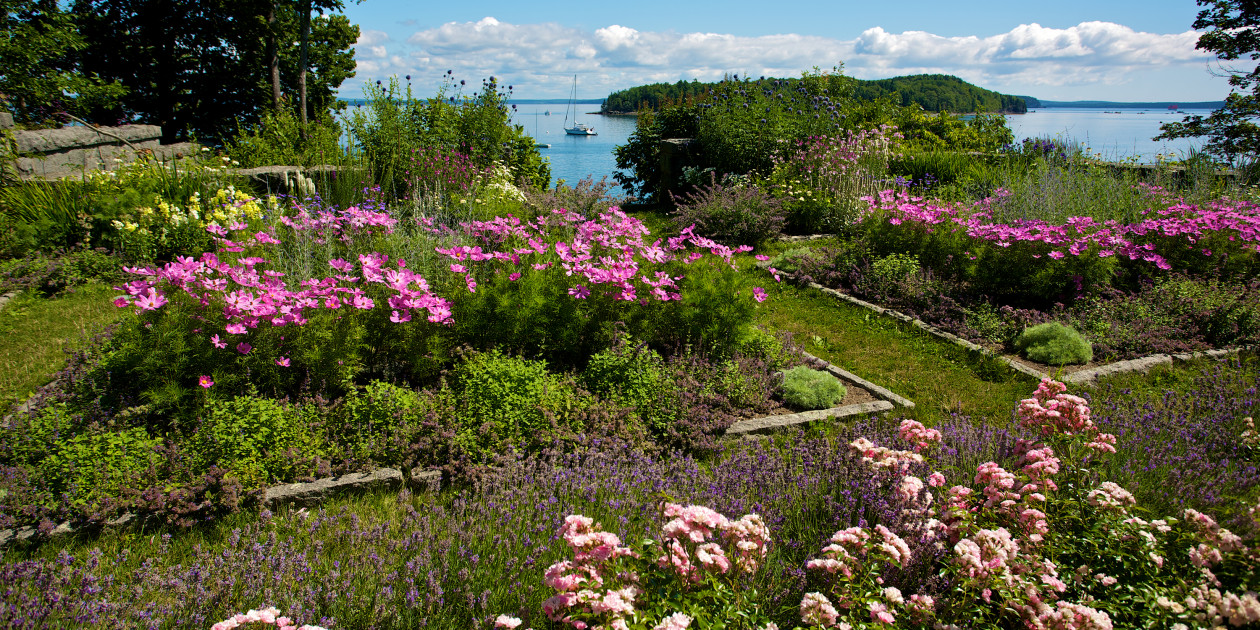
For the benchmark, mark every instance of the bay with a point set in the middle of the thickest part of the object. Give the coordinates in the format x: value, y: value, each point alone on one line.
x: 1116, y: 134
x: 575, y: 157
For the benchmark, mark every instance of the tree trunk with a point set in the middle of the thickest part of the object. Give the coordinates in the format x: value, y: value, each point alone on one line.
x: 273, y: 56
x: 306, y: 42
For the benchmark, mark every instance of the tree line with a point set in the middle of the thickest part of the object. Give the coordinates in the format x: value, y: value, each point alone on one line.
x: 197, y: 68
x: 932, y: 92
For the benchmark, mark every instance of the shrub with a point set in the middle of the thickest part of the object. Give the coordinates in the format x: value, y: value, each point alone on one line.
x: 1054, y: 344
x: 380, y: 422
x: 634, y: 376
x: 258, y: 440
x: 733, y: 213
x: 279, y: 138
x: 588, y: 198
x: 807, y: 388
x: 86, y: 469
x: 791, y: 260
x: 53, y: 273
x: 505, y: 401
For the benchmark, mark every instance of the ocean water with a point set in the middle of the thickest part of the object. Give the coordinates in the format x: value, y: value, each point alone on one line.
x: 575, y: 157
x: 1116, y: 135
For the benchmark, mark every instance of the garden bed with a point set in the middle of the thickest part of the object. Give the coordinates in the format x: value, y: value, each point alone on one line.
x: 1069, y: 373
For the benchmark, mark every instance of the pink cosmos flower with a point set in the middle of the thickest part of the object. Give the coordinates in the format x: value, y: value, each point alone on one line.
x: 580, y: 292
x: 243, y: 348
x: 206, y: 382
x: 218, y: 343
x: 283, y: 362
x: 235, y: 328
x: 759, y: 294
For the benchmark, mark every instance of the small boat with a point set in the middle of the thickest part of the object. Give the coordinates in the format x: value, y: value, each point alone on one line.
x: 578, y: 129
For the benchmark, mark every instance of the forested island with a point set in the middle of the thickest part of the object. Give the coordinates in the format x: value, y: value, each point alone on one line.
x: 932, y: 92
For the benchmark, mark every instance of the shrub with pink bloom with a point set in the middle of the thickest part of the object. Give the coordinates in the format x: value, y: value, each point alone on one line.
x: 260, y: 619
x: 999, y: 545
x: 703, y: 564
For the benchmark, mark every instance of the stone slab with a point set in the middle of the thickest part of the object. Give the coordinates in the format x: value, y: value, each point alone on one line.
x: 1143, y: 364
x: 770, y: 423
x: 1207, y: 354
x: 315, y: 492
x: 79, y: 137
x: 428, y: 480
x: 6, y: 120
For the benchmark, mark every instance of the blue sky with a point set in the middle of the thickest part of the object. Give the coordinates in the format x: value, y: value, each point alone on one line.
x: 1119, y: 50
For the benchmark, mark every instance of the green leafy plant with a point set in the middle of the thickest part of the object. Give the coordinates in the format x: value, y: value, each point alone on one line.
x: 807, y: 388
x: 259, y: 440
x: 1054, y: 344
x: 378, y: 422
x: 632, y: 375
x: 90, y: 467
x: 504, y: 401
x: 735, y: 213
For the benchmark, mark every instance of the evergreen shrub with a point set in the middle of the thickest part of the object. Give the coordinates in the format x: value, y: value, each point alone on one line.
x: 1053, y: 343
x: 807, y: 388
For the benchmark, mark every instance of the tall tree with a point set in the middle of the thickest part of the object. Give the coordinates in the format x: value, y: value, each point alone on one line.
x: 39, y: 72
x: 1233, y: 33
x: 196, y: 66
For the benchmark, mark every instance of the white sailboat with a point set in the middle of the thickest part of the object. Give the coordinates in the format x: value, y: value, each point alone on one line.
x: 578, y: 129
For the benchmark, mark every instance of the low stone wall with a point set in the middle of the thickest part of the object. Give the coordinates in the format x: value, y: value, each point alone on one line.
x: 73, y: 151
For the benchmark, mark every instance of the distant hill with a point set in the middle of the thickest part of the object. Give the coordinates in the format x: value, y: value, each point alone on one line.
x: 1039, y: 104
x: 933, y: 92
x: 939, y: 93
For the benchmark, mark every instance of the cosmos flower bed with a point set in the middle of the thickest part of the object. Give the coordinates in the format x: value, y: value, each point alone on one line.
x: 1179, y: 279
x: 326, y: 340
x: 889, y: 523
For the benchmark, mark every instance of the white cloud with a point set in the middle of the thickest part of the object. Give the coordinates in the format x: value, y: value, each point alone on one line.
x: 536, y: 57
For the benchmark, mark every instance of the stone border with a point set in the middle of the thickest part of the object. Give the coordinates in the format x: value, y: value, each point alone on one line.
x: 771, y: 423
x: 307, y: 494
x: 1141, y: 364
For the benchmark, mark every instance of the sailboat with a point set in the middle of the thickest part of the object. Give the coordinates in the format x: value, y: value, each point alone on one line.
x: 578, y: 129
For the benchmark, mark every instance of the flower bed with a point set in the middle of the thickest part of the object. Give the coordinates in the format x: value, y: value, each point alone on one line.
x: 1179, y: 281
x: 484, y: 553
x: 320, y: 341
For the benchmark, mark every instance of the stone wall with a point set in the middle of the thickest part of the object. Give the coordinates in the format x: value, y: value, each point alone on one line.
x: 73, y: 151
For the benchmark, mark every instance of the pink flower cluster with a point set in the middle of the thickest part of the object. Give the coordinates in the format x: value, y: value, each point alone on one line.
x: 247, y: 297
x: 608, y: 255
x: 885, y: 459
x: 325, y: 226
x: 267, y: 616
x: 599, y: 587
x: 694, y: 539
x: 1079, y: 235
x: 589, y: 584
x: 1051, y: 411
x: 921, y: 436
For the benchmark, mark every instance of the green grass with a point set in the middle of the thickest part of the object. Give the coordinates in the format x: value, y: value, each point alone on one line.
x: 35, y: 334
x: 939, y: 377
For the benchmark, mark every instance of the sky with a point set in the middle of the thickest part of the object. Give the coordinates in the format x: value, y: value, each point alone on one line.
x: 1063, y: 50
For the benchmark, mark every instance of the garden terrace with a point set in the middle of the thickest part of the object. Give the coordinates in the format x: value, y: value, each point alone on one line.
x: 569, y: 368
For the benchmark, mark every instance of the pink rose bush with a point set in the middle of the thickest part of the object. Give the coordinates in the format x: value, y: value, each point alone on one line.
x: 701, y: 563
x: 1042, y: 545
x: 260, y: 618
